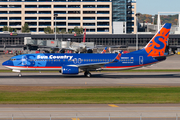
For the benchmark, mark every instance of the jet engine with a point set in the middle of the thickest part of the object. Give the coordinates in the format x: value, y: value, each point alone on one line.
x: 70, y: 70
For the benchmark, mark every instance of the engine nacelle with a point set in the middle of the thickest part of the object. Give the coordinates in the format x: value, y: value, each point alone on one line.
x: 70, y: 70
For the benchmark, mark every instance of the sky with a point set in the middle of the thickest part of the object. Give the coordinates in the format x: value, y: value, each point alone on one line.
x: 154, y: 6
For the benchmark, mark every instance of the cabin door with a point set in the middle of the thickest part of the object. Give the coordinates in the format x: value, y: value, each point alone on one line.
x: 140, y: 60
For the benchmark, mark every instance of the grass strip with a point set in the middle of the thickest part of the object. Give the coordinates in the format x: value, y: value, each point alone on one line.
x: 118, y: 95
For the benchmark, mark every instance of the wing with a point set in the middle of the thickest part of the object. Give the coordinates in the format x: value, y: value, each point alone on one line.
x: 94, y: 66
x: 90, y: 66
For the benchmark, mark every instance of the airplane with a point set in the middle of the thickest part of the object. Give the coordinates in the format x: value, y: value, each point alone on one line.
x: 152, y: 53
x: 104, y: 51
x: 80, y: 47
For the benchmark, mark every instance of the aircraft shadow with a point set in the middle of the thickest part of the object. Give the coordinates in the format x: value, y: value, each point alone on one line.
x: 40, y: 76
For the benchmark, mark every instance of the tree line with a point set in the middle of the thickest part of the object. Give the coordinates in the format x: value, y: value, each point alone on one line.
x: 146, y: 18
x: 47, y: 30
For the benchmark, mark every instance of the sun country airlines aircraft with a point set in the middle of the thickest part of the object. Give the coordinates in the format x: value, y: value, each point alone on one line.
x: 152, y: 53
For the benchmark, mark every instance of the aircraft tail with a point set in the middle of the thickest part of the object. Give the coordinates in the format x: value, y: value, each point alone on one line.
x: 118, y: 57
x: 104, y: 51
x: 157, y: 45
x: 84, y: 38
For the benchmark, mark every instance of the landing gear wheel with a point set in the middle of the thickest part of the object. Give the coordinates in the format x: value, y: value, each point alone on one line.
x: 88, y: 74
x: 85, y: 74
x: 19, y: 75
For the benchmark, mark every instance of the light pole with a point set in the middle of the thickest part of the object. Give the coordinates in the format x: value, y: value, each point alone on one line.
x: 55, y: 15
x: 153, y: 19
x: 137, y: 14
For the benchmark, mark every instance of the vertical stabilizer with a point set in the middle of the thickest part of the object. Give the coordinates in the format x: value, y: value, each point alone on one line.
x: 157, y: 45
x: 84, y: 38
x: 104, y: 51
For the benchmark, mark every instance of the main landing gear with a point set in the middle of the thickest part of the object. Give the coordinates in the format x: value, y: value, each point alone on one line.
x: 87, y: 74
x: 19, y: 74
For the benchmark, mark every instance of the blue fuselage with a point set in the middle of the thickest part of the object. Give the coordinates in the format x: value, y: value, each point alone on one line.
x: 57, y: 61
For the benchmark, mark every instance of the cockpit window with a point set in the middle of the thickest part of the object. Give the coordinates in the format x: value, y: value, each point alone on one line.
x: 12, y: 59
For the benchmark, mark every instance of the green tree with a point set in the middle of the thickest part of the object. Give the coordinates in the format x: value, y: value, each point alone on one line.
x: 48, y: 30
x: 70, y: 31
x: 10, y: 29
x: 25, y: 28
x: 5, y: 28
x: 63, y: 31
x: 81, y: 30
x: 78, y: 30
x: 15, y: 30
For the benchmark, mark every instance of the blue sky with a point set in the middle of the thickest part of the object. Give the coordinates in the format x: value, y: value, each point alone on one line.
x: 154, y: 6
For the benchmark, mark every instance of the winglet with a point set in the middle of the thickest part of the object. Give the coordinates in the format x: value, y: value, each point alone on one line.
x: 117, y: 58
x: 104, y: 51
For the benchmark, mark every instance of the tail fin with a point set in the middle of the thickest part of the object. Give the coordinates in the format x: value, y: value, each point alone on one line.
x: 84, y: 38
x: 157, y: 45
x: 104, y: 51
x: 117, y: 58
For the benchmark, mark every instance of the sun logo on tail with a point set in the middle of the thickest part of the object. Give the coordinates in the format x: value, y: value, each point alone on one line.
x: 157, y: 46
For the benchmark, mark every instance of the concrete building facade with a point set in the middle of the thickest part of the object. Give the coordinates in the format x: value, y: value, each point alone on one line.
x: 94, y: 15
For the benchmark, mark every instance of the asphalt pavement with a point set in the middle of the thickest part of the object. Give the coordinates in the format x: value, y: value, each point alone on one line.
x: 91, y: 111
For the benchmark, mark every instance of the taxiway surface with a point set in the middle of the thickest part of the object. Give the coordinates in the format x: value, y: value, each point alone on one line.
x: 97, y: 79
x: 91, y: 111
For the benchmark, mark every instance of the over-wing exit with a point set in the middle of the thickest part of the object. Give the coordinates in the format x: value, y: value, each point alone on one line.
x: 152, y: 53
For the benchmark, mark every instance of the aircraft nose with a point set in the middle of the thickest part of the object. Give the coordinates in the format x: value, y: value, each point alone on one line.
x: 8, y: 63
x: 5, y: 63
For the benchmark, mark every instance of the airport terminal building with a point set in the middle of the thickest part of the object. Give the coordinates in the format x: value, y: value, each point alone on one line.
x: 97, y: 16
x: 17, y: 41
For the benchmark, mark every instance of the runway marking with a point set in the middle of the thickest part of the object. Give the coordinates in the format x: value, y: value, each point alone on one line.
x: 3, y: 56
x: 75, y: 118
x: 112, y: 105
